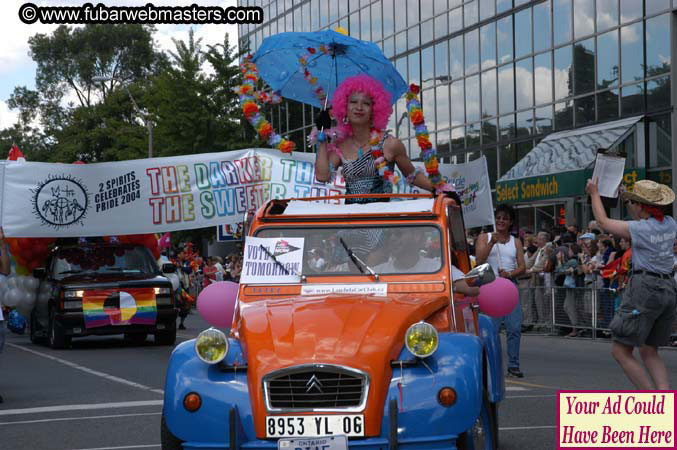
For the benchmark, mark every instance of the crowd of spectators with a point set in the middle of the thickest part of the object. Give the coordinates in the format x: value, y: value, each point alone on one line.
x: 567, y: 258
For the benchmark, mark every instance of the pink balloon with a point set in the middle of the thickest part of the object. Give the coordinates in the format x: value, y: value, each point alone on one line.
x: 216, y: 303
x: 498, y: 298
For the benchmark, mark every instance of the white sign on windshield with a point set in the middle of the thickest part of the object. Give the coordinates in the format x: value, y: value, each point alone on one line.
x: 272, y: 260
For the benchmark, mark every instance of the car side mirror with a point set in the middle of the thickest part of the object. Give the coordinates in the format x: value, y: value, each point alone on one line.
x: 168, y: 268
x: 39, y: 273
x: 484, y: 274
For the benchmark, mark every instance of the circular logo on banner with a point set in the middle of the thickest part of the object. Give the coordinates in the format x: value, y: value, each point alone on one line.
x: 60, y: 201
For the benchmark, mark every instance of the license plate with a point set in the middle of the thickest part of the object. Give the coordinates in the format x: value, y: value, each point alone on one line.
x: 312, y: 426
x: 318, y: 443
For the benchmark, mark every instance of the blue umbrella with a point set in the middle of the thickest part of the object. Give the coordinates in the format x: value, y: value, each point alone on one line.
x: 278, y: 63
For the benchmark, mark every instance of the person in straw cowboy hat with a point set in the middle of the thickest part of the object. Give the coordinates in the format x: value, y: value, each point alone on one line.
x: 647, y: 311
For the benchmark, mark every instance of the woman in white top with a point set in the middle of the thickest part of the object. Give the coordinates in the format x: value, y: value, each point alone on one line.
x: 505, y: 254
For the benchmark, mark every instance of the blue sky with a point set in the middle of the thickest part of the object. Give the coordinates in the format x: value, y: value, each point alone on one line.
x: 17, y: 68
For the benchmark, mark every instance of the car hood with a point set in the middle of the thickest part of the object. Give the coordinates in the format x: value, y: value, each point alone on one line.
x: 112, y: 281
x: 362, y: 332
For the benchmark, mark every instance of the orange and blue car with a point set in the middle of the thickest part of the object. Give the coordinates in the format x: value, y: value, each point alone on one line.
x: 364, y: 344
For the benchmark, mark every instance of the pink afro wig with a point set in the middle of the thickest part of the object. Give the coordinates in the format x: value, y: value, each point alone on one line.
x: 381, y: 107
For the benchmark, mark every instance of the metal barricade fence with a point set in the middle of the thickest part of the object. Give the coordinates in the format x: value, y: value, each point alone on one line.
x: 587, y: 310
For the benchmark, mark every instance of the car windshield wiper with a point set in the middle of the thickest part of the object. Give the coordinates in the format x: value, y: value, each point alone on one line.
x: 70, y: 271
x: 358, y: 262
x: 281, y: 266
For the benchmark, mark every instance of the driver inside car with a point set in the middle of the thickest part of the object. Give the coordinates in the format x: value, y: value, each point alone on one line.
x: 406, y: 253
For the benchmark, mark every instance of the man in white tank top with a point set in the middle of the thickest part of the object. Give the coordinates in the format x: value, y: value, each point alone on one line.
x: 505, y: 255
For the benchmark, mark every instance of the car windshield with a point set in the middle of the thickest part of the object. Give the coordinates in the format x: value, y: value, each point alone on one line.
x: 405, y: 249
x: 100, y: 260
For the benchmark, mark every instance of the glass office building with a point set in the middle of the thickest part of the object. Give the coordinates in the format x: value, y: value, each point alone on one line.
x: 500, y: 76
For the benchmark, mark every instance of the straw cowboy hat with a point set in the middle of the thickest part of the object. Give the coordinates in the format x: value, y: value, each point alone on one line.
x: 651, y: 193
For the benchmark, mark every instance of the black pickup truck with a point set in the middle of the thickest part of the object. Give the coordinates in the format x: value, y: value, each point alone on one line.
x: 103, y: 289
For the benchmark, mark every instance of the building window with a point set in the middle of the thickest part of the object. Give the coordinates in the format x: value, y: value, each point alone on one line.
x: 607, y: 105
x: 564, y: 115
x: 472, y: 50
x: 472, y: 98
x: 585, y: 110
x: 631, y: 10
x: 562, y: 21
x: 658, y: 93
x: 632, y: 100
x: 506, y: 89
x: 607, y: 60
x: 542, y: 29
x: 584, y: 66
x: 543, y: 78
x: 656, y: 6
x: 563, y: 73
x: 523, y: 33
x: 632, y: 53
x: 584, y: 18
x: 607, y: 14
x: 660, y: 142
x: 489, y: 93
x: 524, y: 83
x: 457, y: 102
x: 487, y: 9
x: 658, y: 45
x: 488, y: 45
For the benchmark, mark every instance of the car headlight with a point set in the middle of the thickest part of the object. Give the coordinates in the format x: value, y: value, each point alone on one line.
x: 74, y: 294
x: 211, y: 346
x: 163, y: 291
x: 421, y: 339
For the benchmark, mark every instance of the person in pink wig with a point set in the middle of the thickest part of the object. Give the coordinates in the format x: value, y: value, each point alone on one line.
x: 361, y: 107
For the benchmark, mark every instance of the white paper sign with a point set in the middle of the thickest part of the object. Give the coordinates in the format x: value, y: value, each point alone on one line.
x: 376, y: 289
x: 259, y: 266
x: 609, y: 169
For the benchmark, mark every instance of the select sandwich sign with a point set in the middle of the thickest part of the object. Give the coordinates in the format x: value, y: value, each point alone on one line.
x: 560, y: 185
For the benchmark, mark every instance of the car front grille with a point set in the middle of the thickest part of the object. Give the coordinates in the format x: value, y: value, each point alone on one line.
x: 316, y: 387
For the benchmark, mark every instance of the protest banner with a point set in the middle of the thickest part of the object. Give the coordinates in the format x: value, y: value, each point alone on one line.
x: 183, y: 192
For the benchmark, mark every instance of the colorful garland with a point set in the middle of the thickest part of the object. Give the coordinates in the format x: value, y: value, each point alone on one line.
x: 248, y: 99
x: 379, y: 160
x: 439, y: 181
x: 303, y: 60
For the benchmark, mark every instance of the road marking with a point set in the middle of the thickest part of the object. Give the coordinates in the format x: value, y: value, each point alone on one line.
x: 123, y: 447
x: 524, y: 383
x: 515, y: 388
x: 79, y: 418
x: 48, y: 409
x: 529, y: 396
x: 541, y: 427
x: 89, y: 371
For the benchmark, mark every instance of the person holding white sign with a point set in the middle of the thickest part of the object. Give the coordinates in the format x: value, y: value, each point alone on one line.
x: 362, y: 106
x: 647, y: 311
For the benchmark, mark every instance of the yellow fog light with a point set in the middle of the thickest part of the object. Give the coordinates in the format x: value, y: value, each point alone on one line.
x: 422, y: 339
x: 211, y: 346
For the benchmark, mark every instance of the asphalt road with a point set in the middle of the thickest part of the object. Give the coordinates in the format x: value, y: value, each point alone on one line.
x: 105, y: 393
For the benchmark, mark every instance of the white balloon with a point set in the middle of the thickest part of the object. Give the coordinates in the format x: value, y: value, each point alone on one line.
x: 12, y: 282
x: 32, y: 283
x: 27, y: 298
x: 12, y: 297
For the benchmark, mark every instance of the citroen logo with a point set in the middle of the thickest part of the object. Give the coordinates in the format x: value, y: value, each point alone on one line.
x: 313, y: 382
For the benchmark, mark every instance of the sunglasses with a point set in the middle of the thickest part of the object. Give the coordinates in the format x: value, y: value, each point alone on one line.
x: 629, y: 202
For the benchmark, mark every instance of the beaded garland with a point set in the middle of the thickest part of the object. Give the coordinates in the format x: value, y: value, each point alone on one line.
x: 303, y: 60
x: 439, y: 181
x: 249, y: 98
x: 379, y: 160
